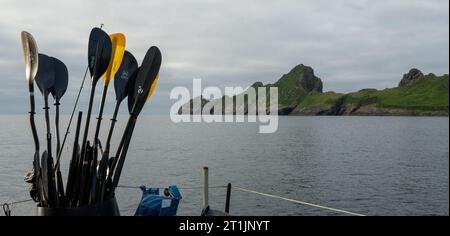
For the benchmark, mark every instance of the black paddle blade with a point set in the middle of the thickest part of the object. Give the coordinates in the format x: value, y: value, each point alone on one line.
x: 61, y: 79
x: 130, y: 90
x: 45, y: 77
x: 99, y: 53
x: 145, y: 78
x: 127, y: 69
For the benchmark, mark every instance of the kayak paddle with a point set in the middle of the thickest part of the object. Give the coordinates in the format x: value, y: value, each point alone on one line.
x: 144, y: 85
x: 45, y: 80
x: 99, y: 54
x: 117, y: 52
x: 30, y: 55
x: 58, y: 90
x: 122, y: 79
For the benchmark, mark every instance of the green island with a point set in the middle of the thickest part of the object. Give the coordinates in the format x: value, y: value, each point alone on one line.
x: 300, y: 92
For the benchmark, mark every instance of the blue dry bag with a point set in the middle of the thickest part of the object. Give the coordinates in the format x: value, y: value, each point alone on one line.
x: 153, y: 204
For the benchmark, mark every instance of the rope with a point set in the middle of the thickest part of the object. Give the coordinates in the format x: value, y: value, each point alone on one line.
x: 14, y: 203
x: 134, y: 187
x: 297, y: 201
x: 7, y: 206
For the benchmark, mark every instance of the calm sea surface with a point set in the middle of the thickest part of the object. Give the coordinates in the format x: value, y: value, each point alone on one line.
x: 369, y: 165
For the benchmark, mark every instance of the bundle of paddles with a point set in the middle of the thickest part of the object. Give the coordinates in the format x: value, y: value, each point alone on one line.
x: 93, y: 174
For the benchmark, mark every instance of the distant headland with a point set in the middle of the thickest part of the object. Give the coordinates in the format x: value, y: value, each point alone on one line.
x: 301, y: 93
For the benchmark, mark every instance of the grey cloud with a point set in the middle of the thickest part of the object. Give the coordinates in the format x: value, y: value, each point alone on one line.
x: 352, y: 44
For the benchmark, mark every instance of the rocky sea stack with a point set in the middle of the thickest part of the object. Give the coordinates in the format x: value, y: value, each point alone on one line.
x: 295, y: 86
x: 302, y: 77
x: 411, y: 77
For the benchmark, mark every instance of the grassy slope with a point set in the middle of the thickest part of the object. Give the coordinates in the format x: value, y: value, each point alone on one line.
x: 320, y: 99
x: 431, y: 94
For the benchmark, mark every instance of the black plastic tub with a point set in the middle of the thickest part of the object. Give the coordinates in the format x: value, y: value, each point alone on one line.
x: 106, y: 208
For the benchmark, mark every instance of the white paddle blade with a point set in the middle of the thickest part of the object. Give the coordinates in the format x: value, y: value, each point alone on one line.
x: 30, y: 54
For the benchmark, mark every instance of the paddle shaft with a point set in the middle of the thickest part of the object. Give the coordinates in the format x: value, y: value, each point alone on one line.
x: 103, y: 167
x: 58, y: 143
x: 119, y: 150
x: 47, y: 124
x: 73, y: 162
x: 36, y: 162
x: 123, y: 153
x: 111, y: 129
x: 32, y: 123
x: 83, y: 163
x: 71, y: 117
x: 59, y: 180
x: 51, y: 179
x: 100, y: 115
x: 88, y: 117
x: 83, y: 169
x: 96, y: 141
x: 109, y: 180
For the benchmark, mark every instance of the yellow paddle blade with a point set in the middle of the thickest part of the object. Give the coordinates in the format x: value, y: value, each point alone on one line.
x: 153, y: 87
x: 117, y: 52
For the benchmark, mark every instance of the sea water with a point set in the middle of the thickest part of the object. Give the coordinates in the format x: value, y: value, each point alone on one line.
x: 368, y: 165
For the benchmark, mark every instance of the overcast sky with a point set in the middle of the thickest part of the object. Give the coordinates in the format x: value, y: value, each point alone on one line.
x: 351, y: 44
